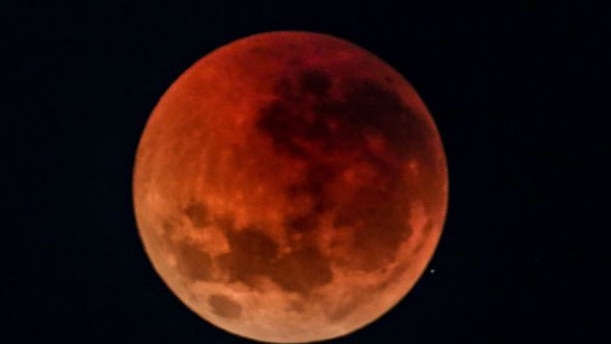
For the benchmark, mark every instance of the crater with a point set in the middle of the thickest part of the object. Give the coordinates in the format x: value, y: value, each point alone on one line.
x: 224, y: 307
x: 302, y: 270
x: 198, y: 214
x: 193, y: 262
x: 253, y: 255
x: 252, y: 252
x: 167, y: 226
x: 356, y: 298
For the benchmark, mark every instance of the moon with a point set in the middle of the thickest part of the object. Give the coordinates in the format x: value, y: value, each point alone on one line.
x: 290, y: 187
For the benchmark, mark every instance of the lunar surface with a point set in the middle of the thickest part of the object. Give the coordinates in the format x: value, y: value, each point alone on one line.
x: 290, y: 187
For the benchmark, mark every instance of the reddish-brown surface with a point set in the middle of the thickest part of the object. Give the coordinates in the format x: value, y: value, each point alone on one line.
x: 290, y: 187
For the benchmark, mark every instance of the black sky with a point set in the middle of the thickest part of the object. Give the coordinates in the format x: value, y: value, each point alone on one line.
x: 517, y: 92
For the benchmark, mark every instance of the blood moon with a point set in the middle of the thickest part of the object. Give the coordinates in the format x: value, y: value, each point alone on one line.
x: 290, y: 187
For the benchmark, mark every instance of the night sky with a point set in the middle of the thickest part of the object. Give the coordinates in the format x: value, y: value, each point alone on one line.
x: 516, y: 90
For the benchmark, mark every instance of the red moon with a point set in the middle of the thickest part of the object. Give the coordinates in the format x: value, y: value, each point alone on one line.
x: 290, y: 187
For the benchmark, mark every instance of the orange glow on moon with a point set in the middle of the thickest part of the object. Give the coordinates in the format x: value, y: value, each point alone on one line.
x: 290, y: 187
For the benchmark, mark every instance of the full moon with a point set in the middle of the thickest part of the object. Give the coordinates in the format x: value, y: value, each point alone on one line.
x: 290, y: 187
